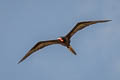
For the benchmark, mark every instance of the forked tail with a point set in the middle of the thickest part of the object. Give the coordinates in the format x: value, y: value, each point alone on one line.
x: 72, y: 50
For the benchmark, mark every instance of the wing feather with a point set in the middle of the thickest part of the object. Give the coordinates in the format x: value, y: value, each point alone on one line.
x: 38, y: 46
x: 82, y: 25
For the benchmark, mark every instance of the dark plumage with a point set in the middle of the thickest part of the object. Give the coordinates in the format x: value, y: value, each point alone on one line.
x: 65, y: 41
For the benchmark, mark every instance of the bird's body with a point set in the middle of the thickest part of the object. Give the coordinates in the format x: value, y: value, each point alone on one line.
x: 65, y: 40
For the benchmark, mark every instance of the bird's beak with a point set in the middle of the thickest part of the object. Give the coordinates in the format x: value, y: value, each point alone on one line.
x: 71, y: 49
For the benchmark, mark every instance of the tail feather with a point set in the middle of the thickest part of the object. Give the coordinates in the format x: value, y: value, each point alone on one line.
x: 72, y: 50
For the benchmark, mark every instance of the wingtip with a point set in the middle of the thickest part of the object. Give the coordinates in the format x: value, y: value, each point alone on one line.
x: 104, y: 20
x: 19, y: 62
x: 107, y: 20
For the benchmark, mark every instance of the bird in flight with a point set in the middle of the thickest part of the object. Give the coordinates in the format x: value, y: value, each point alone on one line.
x: 65, y: 40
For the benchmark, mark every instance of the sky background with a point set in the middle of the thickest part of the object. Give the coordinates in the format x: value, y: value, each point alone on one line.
x: 25, y: 22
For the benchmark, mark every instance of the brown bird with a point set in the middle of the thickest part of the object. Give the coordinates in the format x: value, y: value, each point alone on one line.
x: 65, y: 41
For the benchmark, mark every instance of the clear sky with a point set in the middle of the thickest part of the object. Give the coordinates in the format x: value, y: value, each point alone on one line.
x: 25, y: 22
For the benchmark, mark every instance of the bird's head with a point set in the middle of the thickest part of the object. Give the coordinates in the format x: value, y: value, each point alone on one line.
x: 62, y: 39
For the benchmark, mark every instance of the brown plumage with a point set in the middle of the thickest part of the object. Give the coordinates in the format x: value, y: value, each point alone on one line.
x: 65, y: 41
x: 82, y: 25
x: 38, y: 46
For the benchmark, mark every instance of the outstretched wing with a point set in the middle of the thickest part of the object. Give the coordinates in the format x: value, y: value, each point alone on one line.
x: 38, y: 46
x: 82, y: 25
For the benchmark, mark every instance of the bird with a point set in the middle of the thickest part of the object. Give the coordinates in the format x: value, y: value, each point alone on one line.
x: 64, y: 41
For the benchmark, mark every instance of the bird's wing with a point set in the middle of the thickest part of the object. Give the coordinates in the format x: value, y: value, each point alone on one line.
x: 38, y: 46
x: 82, y: 25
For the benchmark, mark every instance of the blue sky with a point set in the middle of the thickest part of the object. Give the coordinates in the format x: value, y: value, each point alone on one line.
x: 25, y: 22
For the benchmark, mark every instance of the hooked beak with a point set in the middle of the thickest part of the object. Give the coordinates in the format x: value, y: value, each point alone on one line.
x: 72, y: 50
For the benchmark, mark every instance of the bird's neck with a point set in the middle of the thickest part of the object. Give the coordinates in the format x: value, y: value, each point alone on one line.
x: 60, y: 39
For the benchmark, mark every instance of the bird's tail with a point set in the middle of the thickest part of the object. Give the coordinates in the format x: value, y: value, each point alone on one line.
x: 72, y: 50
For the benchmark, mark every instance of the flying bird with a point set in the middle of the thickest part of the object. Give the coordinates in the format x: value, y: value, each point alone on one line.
x: 65, y: 40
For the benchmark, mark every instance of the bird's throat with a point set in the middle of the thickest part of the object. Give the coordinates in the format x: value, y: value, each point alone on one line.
x: 60, y: 39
